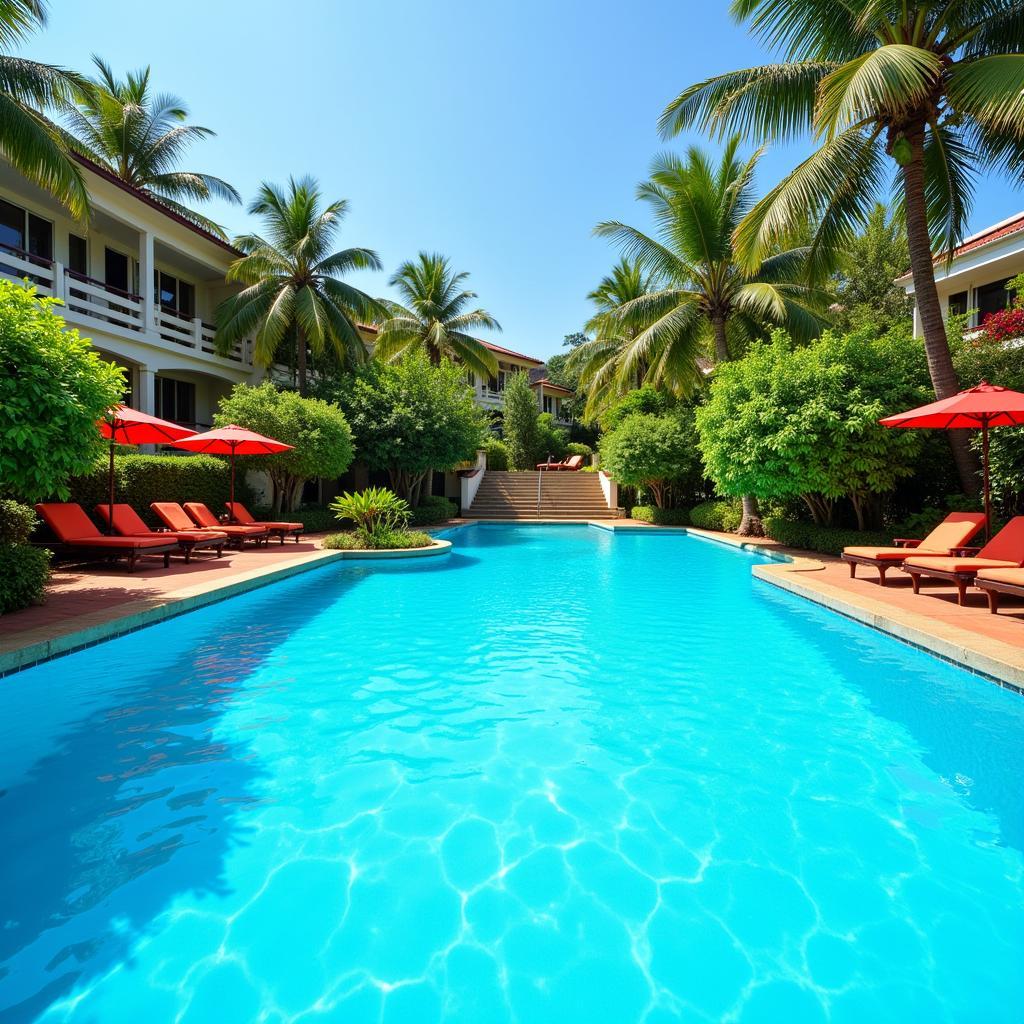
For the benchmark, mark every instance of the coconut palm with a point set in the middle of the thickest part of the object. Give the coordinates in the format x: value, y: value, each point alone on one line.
x: 705, y: 302
x: 434, y: 317
x: 141, y: 136
x: 29, y: 140
x: 293, y: 286
x: 938, y: 86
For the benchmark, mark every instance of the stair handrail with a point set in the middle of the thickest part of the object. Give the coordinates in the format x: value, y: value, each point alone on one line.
x: 540, y: 478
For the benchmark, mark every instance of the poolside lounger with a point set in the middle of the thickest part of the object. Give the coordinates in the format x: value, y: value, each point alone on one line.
x: 240, y: 514
x: 175, y: 518
x: 999, y: 581
x: 206, y: 520
x: 1004, y: 551
x: 128, y: 522
x: 76, y: 532
x: 946, y: 539
x: 572, y: 464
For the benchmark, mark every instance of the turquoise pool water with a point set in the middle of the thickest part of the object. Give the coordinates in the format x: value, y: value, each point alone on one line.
x: 557, y: 776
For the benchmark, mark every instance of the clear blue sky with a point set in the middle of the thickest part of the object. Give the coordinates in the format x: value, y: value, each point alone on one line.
x: 495, y: 132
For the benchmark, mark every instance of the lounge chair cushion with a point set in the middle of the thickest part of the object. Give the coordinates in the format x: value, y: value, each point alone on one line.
x: 74, y: 528
x: 953, y: 532
x: 956, y: 564
x: 1007, y: 544
x: 892, y: 554
x: 128, y: 521
x: 205, y: 518
x: 244, y: 517
x: 1011, y: 576
x: 171, y: 514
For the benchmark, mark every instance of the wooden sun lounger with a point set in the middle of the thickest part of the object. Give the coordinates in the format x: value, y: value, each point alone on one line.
x: 999, y: 581
x: 206, y: 520
x: 128, y: 522
x: 175, y: 518
x: 240, y: 514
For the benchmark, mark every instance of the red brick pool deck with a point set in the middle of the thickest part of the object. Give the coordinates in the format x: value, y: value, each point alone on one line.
x: 89, y: 602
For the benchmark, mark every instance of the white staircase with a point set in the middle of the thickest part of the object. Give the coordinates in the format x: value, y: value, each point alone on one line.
x: 563, y: 495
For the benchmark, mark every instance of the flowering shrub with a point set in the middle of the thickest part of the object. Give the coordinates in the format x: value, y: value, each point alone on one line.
x: 1004, y: 325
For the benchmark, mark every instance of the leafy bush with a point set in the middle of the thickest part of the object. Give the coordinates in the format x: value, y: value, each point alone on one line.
x: 1004, y: 324
x: 385, y: 540
x: 578, y: 448
x: 314, y: 518
x: 650, y: 451
x: 375, y: 512
x: 24, y: 571
x: 17, y: 522
x: 53, y: 388
x: 551, y: 440
x: 497, y: 453
x: 722, y: 514
x: 433, y: 509
x: 520, y: 423
x: 660, y: 516
x: 827, y: 540
x: 142, y: 479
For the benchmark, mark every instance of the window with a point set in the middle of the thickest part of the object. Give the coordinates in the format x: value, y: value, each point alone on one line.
x: 549, y: 405
x: 12, y: 226
x: 22, y: 230
x: 78, y: 255
x: 40, y: 237
x: 991, y: 298
x: 958, y: 304
x: 115, y: 269
x: 175, y: 295
x: 175, y: 400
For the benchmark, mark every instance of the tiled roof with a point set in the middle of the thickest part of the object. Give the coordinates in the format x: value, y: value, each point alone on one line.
x: 508, y: 352
x: 1003, y: 229
x: 550, y: 386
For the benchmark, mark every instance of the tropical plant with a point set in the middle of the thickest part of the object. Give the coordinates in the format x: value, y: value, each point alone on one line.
x: 375, y: 512
x: 435, y: 317
x: 707, y: 303
x: 54, y: 387
x: 32, y: 143
x: 938, y: 85
x: 140, y: 136
x: 520, y: 423
x: 293, y: 287
x: 317, y: 430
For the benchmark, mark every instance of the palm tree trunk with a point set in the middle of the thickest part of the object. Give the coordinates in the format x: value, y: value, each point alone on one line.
x: 300, y: 361
x: 721, y: 339
x: 936, y: 345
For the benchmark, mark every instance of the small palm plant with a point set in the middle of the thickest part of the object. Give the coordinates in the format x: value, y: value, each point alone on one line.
x: 377, y: 513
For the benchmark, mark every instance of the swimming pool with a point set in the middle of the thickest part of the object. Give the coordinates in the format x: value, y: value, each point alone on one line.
x: 559, y: 775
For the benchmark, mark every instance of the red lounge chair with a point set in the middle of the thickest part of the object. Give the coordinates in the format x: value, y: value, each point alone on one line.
x: 946, y: 539
x: 240, y: 514
x: 206, y: 520
x: 175, y: 518
x: 128, y: 522
x: 571, y: 464
x: 76, y: 532
x: 1004, y: 551
x: 999, y: 581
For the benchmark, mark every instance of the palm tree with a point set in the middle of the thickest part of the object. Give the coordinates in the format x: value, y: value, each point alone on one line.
x: 937, y: 85
x: 293, y: 282
x: 595, y: 361
x: 32, y: 143
x: 705, y: 303
x: 434, y: 317
x: 140, y: 137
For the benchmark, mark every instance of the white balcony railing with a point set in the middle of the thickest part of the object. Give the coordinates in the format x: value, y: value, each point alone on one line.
x: 99, y: 301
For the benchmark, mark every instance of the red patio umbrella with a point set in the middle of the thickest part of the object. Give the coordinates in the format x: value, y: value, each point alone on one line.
x: 129, y: 426
x: 232, y: 440
x: 986, y: 405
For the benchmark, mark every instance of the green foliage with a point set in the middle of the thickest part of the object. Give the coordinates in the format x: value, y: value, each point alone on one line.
x: 651, y: 452
x: 722, y: 514
x: 660, y: 516
x: 411, y: 417
x: 647, y: 399
x: 432, y: 509
x: 497, y: 453
x: 17, y: 521
x: 24, y: 571
x: 803, y: 421
x: 317, y: 429
x: 375, y: 512
x: 828, y: 540
x: 578, y: 448
x: 142, y: 479
x: 53, y: 388
x: 385, y: 540
x: 520, y: 424
x: 551, y: 440
x: 314, y: 518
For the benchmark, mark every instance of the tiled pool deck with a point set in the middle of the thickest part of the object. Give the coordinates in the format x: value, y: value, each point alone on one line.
x: 90, y: 604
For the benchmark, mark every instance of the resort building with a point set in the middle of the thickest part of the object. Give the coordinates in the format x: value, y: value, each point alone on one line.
x: 976, y: 278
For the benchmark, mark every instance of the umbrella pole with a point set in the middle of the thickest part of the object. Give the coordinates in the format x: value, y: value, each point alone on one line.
x: 110, y: 494
x: 231, y: 507
x: 984, y: 458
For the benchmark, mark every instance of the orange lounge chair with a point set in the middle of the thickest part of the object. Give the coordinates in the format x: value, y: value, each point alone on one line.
x: 1004, y: 551
x: 176, y: 519
x: 946, y: 539
x: 240, y: 514
x: 206, y: 520
x: 999, y: 581
x: 76, y: 532
x: 571, y: 464
x: 128, y: 522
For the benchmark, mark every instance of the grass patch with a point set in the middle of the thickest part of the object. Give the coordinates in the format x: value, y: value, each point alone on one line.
x: 392, y: 540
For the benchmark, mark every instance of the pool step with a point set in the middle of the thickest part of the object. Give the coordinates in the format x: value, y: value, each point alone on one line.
x: 563, y: 496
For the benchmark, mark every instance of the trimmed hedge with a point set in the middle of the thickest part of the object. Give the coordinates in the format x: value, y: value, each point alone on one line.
x: 142, y: 479
x: 17, y: 521
x: 722, y: 514
x: 660, y: 516
x: 828, y: 540
x: 497, y: 453
x: 433, y: 509
x: 390, y: 541
x: 24, y: 571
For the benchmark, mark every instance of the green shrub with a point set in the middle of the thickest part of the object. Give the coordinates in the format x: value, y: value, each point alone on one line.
x: 722, y: 514
x: 376, y: 513
x: 828, y: 540
x: 315, y: 518
x: 433, y: 509
x: 142, y: 479
x: 660, y: 516
x: 17, y: 522
x: 551, y: 440
x: 24, y: 571
x: 578, y: 448
x: 497, y: 453
x: 385, y: 540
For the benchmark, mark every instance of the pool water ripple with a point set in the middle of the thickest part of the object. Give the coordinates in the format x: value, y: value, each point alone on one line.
x: 560, y: 775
